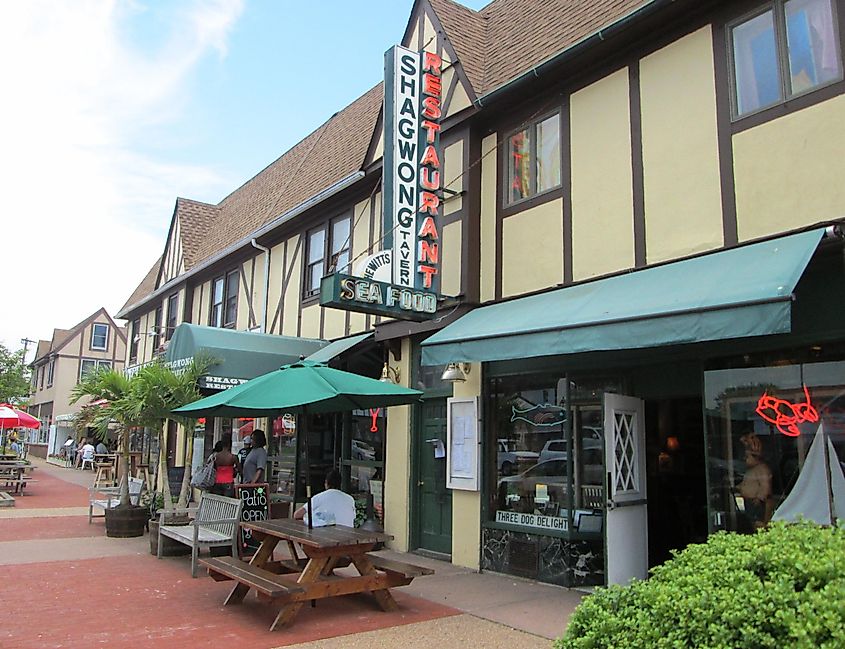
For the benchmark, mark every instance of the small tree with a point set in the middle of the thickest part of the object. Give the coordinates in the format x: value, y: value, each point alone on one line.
x: 14, y: 376
x: 145, y: 399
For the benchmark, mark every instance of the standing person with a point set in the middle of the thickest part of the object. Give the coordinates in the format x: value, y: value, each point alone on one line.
x: 242, y: 454
x: 332, y: 506
x: 256, y: 462
x: 102, y: 449
x: 225, y: 464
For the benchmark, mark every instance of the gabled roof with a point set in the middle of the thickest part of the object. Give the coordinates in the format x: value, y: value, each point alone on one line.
x: 62, y: 336
x: 196, y: 219
x: 499, y: 43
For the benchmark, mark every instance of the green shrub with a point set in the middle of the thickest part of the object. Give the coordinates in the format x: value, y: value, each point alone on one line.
x: 781, y: 587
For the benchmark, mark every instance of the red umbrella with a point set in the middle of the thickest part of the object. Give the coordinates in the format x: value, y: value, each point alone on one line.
x: 11, y: 417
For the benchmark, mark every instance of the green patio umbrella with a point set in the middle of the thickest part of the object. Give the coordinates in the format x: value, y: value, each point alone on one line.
x: 303, y: 387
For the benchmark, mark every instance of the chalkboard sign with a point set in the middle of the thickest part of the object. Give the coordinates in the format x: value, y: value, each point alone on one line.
x: 255, y: 506
x: 174, y: 479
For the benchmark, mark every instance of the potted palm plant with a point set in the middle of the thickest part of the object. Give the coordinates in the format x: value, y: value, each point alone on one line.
x: 144, y: 399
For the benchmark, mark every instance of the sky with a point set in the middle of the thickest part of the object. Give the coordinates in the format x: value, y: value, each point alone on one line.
x: 112, y: 109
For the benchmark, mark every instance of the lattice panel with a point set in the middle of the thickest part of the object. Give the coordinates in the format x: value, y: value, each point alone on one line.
x: 626, y: 477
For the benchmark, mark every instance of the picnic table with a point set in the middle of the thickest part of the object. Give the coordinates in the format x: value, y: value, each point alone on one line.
x: 13, y: 474
x: 294, y: 581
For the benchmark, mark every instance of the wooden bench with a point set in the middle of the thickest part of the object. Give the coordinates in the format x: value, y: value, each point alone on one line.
x: 399, y: 569
x: 6, y: 500
x: 215, y: 524
x: 262, y: 580
x: 109, y: 497
x: 18, y: 481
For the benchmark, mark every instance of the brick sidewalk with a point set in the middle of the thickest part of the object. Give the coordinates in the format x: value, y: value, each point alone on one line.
x: 80, y: 589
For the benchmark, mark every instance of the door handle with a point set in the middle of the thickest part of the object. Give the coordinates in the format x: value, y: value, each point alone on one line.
x: 421, y: 483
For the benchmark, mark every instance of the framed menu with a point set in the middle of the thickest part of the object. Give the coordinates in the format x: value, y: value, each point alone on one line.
x: 462, y: 443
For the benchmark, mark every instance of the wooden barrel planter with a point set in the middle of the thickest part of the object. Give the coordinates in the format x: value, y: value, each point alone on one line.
x: 126, y: 522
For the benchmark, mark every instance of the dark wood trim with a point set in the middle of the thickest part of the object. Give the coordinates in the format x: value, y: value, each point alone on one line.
x: 277, y: 311
x: 251, y: 321
x: 420, y: 30
x: 453, y: 55
x: 637, y: 171
x: 322, y: 329
x: 724, y: 135
x: 789, y: 106
x: 499, y: 216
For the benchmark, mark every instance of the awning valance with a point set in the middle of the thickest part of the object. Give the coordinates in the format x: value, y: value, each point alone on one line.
x: 743, y: 291
x: 241, y: 355
x: 337, y: 347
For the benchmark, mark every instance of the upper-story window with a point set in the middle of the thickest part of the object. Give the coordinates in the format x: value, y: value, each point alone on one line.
x: 332, y: 243
x: 224, y: 300
x: 134, y: 339
x: 533, y: 159
x: 788, y: 48
x: 89, y: 365
x: 51, y: 370
x: 99, y: 336
x: 172, y: 315
x: 157, y: 329
x: 41, y: 377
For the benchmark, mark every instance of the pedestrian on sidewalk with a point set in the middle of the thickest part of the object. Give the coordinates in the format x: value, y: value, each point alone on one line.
x: 225, y: 464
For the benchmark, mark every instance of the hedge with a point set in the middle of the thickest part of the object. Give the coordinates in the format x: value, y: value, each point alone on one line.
x: 781, y: 587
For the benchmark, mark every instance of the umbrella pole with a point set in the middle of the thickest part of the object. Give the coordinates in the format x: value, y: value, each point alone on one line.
x: 308, y: 471
x: 828, y: 477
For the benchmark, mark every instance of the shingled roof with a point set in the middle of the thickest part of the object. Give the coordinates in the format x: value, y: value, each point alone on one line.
x: 147, y: 286
x: 509, y: 37
x: 494, y: 45
x: 196, y: 219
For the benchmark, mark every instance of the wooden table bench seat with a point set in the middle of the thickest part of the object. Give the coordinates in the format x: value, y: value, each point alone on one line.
x: 406, y: 570
x: 258, y: 578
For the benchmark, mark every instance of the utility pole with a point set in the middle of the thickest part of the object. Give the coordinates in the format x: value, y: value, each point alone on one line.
x: 26, y: 342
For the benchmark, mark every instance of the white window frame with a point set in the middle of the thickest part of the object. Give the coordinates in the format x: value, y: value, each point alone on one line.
x: 93, y: 334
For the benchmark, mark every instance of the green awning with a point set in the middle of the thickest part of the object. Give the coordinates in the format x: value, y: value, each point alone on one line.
x: 337, y: 347
x: 242, y: 355
x: 744, y: 291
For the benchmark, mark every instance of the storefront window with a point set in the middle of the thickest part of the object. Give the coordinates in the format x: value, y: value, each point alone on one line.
x: 366, y: 465
x: 760, y: 423
x: 532, y: 482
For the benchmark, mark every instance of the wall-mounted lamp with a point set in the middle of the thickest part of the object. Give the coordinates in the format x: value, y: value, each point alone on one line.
x: 456, y: 372
x: 389, y: 374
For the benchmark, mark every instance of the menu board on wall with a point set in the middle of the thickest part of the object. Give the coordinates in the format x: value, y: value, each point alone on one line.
x: 462, y: 457
x: 255, y: 506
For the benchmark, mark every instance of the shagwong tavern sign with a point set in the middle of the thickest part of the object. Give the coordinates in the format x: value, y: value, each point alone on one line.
x: 403, y: 279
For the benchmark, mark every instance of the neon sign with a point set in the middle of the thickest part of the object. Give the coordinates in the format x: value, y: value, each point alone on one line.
x: 785, y: 415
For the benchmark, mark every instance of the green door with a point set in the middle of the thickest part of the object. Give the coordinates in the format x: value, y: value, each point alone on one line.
x: 433, y: 500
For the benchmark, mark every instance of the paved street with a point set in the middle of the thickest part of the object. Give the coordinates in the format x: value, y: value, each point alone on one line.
x: 69, y: 586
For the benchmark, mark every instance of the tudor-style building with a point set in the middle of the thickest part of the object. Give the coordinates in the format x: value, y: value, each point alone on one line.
x: 59, y: 363
x: 640, y: 251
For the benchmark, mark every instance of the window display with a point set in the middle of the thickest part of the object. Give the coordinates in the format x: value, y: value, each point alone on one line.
x: 547, y: 479
x: 760, y: 422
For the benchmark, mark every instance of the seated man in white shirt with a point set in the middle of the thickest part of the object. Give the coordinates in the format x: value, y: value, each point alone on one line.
x: 332, y: 506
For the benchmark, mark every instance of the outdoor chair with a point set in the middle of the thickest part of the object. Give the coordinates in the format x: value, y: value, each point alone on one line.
x: 109, y: 497
x: 89, y: 461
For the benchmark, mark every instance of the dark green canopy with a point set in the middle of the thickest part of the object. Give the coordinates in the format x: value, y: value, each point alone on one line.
x: 302, y: 387
x: 239, y: 355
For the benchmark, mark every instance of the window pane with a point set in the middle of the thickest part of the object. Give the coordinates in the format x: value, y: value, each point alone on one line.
x: 87, y: 366
x: 519, y: 174
x: 811, y: 40
x: 316, y: 274
x: 105, y: 365
x: 216, y: 316
x: 548, y: 153
x: 340, y: 236
x: 340, y: 262
x: 755, y: 64
x: 99, y: 336
x: 316, y: 245
x: 217, y: 293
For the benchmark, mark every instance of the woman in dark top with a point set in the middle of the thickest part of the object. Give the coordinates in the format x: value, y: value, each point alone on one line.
x: 226, y: 465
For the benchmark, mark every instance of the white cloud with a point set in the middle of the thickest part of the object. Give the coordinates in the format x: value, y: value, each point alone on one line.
x: 85, y: 205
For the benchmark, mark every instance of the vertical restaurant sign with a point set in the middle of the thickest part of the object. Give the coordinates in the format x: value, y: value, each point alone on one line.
x: 403, y: 279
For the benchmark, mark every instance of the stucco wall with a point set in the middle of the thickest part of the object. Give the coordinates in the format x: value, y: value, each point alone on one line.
x: 532, y: 249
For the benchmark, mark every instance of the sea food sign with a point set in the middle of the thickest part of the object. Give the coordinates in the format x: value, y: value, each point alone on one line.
x: 403, y: 279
